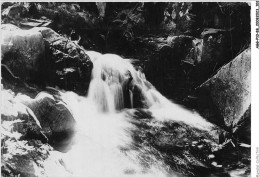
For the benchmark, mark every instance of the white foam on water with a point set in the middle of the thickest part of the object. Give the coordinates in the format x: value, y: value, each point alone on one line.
x: 103, y: 131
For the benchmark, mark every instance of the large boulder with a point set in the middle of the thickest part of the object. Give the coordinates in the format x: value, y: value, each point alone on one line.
x: 57, y: 122
x: 178, y: 64
x: 214, y: 51
x: 46, y: 59
x: 67, y: 64
x: 167, y: 64
x: 43, y: 118
x: 22, y: 49
x: 205, y: 55
x: 228, y: 93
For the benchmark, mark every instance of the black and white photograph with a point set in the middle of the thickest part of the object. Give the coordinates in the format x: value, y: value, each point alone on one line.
x: 112, y: 89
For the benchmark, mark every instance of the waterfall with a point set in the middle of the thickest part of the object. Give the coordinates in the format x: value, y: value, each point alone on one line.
x: 103, y: 144
x: 120, y: 86
x: 116, y: 84
x: 99, y: 91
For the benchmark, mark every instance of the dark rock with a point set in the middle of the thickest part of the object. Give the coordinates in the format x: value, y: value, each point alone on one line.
x: 167, y: 66
x: 55, y: 118
x: 214, y: 52
x: 68, y: 66
x: 74, y: 36
x: 194, y: 55
x: 175, y: 143
x: 138, y: 96
x: 178, y: 64
x: 234, y: 158
x: 16, y: 84
x: 32, y: 10
x: 47, y: 59
x: 228, y: 92
x: 205, y: 56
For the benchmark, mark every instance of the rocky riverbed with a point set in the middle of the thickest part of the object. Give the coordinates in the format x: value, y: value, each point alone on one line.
x: 172, y: 97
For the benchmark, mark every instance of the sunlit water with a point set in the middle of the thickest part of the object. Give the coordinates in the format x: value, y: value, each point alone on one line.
x: 103, y: 144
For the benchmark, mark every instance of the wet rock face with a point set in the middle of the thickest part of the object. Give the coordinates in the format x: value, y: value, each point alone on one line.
x: 166, y: 67
x: 183, y: 149
x: 68, y: 66
x: 56, y: 120
x: 208, y: 53
x: 178, y: 64
x: 43, y: 118
x: 229, y: 91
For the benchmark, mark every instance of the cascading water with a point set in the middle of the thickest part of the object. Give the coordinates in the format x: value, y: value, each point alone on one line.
x: 103, y: 143
x: 113, y: 82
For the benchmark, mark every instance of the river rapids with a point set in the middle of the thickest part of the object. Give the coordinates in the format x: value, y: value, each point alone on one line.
x: 106, y: 123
